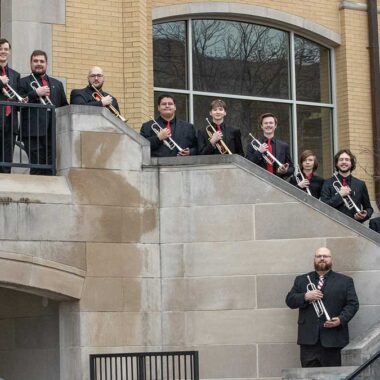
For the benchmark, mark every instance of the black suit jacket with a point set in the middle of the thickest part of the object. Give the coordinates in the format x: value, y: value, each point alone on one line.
x: 183, y: 133
x: 38, y: 122
x: 359, y: 195
x: 14, y: 82
x: 316, y: 184
x: 374, y: 224
x: 231, y: 137
x: 84, y: 97
x: 281, y: 151
x: 340, y: 300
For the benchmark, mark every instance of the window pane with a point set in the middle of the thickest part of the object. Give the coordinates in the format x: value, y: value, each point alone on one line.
x: 181, y: 102
x: 240, y: 58
x: 169, y: 55
x: 315, y: 133
x: 243, y: 114
x: 312, y: 71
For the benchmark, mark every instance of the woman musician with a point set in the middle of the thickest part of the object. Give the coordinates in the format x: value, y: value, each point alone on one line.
x: 217, y: 137
x: 305, y: 178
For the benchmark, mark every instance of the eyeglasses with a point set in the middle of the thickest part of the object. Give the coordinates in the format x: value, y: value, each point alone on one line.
x: 323, y: 257
x: 96, y: 75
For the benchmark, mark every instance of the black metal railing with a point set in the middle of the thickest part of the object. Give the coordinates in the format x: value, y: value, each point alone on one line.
x: 27, y: 137
x: 182, y: 365
x: 365, y: 365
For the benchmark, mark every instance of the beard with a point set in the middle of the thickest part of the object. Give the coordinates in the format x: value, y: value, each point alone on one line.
x: 322, y: 266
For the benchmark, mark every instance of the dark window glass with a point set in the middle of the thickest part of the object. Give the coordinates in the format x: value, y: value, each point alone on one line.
x: 169, y: 55
x: 312, y: 71
x: 314, y: 132
x: 181, y: 102
x: 243, y: 115
x: 240, y: 58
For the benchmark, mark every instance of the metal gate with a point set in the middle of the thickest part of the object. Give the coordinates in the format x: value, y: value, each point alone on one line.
x: 182, y: 365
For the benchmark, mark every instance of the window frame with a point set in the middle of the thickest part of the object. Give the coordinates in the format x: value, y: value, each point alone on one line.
x: 292, y: 102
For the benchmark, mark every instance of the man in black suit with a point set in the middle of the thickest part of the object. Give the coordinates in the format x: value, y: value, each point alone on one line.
x: 345, y: 164
x: 85, y: 96
x: 230, y: 136
x: 169, y: 128
x: 8, y: 114
x: 279, y: 149
x: 36, y: 123
x: 321, y: 338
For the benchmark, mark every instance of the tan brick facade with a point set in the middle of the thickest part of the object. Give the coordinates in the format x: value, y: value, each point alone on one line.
x: 117, y: 35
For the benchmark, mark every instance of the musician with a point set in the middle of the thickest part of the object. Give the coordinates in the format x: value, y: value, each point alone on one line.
x: 36, y: 129
x: 182, y: 132
x: 345, y: 164
x: 230, y: 136
x: 374, y: 224
x: 85, y: 96
x: 269, y: 143
x: 321, y: 340
x: 8, y: 114
x: 308, y: 164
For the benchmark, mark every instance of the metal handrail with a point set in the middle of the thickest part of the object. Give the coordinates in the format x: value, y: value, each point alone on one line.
x: 363, y: 366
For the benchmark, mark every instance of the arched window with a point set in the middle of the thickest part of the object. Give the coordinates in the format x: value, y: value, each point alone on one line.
x: 255, y: 69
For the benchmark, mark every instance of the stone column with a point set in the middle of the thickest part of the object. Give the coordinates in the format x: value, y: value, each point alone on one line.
x: 28, y: 26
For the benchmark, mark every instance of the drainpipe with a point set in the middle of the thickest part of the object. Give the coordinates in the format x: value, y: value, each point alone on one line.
x: 373, y: 48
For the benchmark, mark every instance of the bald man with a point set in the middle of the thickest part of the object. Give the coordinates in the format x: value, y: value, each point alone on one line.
x: 321, y: 339
x: 85, y: 95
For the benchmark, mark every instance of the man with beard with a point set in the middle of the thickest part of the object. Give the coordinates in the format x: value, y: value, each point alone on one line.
x: 36, y: 123
x: 320, y: 338
x: 279, y: 149
x: 168, y: 127
x: 345, y: 164
x: 85, y: 96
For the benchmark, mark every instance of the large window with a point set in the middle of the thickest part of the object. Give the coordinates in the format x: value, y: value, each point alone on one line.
x: 255, y: 69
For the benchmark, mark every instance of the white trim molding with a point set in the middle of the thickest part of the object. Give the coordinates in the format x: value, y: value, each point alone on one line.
x: 256, y: 13
x: 352, y: 5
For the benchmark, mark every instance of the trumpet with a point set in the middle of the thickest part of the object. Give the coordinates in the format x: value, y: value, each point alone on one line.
x: 347, y: 200
x: 268, y: 156
x: 11, y: 93
x: 97, y: 95
x: 301, y: 178
x: 319, y: 306
x: 220, y: 145
x: 43, y: 99
x: 169, y: 142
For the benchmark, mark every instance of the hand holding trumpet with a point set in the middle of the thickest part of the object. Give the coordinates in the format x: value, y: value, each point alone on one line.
x: 43, y: 91
x: 164, y: 134
x: 217, y: 136
x: 4, y: 79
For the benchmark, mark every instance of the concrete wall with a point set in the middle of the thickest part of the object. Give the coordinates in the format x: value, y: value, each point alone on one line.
x: 180, y: 253
x: 228, y: 264
x: 29, y: 336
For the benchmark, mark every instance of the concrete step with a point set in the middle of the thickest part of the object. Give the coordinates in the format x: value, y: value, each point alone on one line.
x: 321, y: 373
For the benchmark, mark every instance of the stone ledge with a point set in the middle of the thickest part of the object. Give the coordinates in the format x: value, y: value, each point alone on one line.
x: 34, y: 189
x: 320, y: 373
x: 363, y: 347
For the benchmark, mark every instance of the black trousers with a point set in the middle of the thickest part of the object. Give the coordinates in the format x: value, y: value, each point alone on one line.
x: 38, y: 150
x: 318, y: 356
x: 6, y: 147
